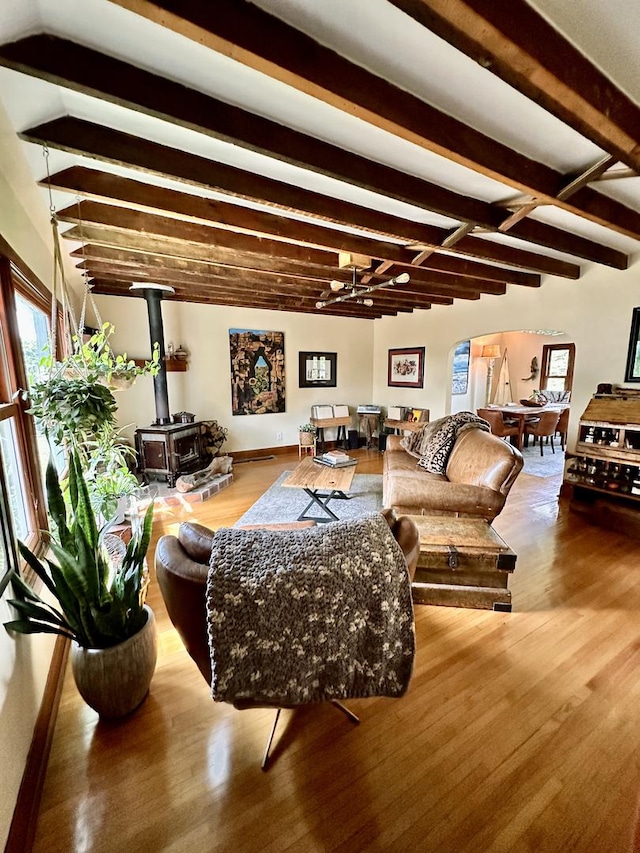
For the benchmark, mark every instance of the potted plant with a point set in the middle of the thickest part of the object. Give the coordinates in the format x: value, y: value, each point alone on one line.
x: 307, y: 434
x: 72, y: 399
x: 99, y: 599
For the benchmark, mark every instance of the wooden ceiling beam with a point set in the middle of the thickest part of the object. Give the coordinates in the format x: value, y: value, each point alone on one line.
x: 518, y: 45
x: 118, y: 287
x: 84, y: 70
x: 248, y: 35
x: 84, y: 138
x: 248, y: 285
x: 72, y: 134
x: 107, y: 187
x: 322, y: 276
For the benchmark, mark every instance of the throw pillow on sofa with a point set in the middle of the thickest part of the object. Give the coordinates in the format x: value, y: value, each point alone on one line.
x: 411, y: 441
x: 438, y: 443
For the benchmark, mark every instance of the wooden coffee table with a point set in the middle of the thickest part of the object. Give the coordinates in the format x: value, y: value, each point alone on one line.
x: 322, y: 484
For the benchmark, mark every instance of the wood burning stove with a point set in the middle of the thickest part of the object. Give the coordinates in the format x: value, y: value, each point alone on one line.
x: 168, y: 450
x: 164, y: 448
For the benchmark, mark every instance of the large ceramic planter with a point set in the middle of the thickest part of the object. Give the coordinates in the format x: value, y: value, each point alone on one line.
x: 116, y: 680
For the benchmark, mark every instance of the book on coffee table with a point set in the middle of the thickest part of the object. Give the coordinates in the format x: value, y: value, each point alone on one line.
x: 333, y: 462
x: 336, y: 454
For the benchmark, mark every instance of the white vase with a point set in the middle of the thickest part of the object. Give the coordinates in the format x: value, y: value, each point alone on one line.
x: 115, y: 681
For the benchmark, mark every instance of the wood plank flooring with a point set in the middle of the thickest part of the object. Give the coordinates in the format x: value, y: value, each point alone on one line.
x: 520, y: 731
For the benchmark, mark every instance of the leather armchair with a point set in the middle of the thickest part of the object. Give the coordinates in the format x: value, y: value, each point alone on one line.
x: 182, y: 565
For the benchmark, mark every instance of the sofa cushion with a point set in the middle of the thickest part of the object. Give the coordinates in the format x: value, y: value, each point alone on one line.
x: 432, y: 494
x: 478, y: 459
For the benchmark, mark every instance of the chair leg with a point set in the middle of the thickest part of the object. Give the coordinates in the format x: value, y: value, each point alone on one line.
x: 553, y: 450
x: 265, y: 759
x: 541, y: 446
x: 355, y: 720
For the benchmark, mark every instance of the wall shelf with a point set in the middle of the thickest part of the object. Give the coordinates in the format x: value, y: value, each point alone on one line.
x: 175, y: 365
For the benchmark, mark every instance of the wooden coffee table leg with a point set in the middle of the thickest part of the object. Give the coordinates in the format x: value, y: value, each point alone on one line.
x: 322, y: 499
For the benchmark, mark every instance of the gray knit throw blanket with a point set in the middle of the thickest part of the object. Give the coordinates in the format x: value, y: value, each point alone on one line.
x: 297, y: 616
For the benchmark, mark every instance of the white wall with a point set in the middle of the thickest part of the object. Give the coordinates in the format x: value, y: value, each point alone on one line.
x: 593, y: 312
x: 584, y: 310
x: 205, y: 388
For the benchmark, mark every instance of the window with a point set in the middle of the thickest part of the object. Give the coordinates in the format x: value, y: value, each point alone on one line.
x: 23, y: 332
x: 557, y: 367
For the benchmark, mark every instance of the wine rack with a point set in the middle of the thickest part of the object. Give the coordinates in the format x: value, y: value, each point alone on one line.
x: 603, y: 477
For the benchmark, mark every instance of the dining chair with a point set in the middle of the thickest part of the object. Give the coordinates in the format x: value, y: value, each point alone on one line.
x: 544, y: 427
x: 498, y: 424
x: 563, y: 427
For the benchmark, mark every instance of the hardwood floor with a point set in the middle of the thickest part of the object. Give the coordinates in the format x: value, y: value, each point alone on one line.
x: 520, y: 731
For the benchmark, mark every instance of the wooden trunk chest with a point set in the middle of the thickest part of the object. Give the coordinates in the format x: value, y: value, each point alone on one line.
x: 462, y: 563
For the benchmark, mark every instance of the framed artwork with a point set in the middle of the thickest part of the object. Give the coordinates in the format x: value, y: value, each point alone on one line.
x: 317, y: 369
x: 257, y: 372
x: 406, y: 367
x: 460, y: 374
x: 632, y: 373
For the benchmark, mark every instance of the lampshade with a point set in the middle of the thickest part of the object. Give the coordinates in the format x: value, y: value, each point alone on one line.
x: 490, y: 351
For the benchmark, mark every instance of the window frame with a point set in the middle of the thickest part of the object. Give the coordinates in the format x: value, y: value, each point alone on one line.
x: 16, y: 277
x: 547, y: 352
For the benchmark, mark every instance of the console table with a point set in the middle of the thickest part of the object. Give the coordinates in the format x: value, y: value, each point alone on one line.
x: 400, y: 426
x: 342, y: 423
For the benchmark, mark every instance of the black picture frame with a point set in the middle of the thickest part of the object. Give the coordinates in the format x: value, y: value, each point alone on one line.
x: 317, y: 369
x: 632, y: 372
x: 406, y: 367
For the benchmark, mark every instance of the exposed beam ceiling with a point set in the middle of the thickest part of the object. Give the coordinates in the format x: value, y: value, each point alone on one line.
x: 186, y: 176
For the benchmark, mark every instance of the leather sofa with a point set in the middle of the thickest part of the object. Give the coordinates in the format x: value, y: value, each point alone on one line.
x: 182, y: 565
x: 480, y: 471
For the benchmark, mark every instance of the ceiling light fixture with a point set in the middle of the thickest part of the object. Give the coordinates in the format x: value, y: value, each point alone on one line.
x: 403, y: 278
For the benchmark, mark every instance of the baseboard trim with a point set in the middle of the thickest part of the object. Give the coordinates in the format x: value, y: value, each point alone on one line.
x: 263, y: 453
x: 25, y: 815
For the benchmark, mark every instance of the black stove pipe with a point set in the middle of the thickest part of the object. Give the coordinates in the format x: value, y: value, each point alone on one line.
x: 153, y: 297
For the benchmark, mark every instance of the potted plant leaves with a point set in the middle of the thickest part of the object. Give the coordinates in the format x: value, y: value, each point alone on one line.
x: 98, y: 587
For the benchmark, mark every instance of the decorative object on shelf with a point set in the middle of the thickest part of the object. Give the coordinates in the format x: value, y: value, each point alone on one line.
x: 181, y: 353
x: 460, y: 371
x: 257, y: 372
x: 99, y: 594
x: 632, y: 372
x: 317, y: 369
x: 406, y: 367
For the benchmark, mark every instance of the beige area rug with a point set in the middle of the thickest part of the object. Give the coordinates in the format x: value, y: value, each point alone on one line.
x: 280, y: 503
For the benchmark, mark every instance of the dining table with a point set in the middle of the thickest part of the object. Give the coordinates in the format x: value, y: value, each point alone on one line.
x: 520, y: 414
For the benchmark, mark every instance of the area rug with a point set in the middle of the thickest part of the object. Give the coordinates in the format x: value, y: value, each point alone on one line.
x: 280, y: 503
x: 549, y: 465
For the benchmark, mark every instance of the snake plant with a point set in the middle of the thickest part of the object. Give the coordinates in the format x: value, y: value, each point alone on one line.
x: 98, y: 604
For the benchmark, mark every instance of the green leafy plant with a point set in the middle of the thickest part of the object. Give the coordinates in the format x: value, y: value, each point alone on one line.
x: 307, y: 428
x: 100, y: 601
x: 72, y: 400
